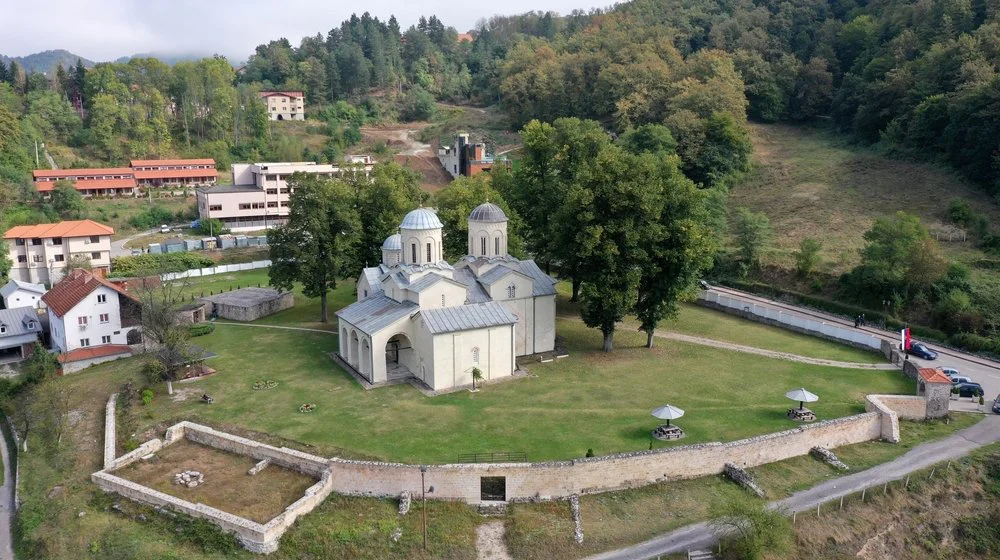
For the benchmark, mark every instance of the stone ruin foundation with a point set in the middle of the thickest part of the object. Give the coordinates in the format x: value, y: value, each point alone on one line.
x: 191, y: 479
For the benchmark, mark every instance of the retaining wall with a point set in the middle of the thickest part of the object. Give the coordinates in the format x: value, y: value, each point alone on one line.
x: 221, y: 269
x: 255, y: 537
x: 561, y: 479
x: 110, y: 430
x: 772, y: 316
x: 905, y: 407
x: 890, y: 420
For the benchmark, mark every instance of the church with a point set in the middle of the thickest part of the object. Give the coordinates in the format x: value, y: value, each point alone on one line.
x: 419, y: 316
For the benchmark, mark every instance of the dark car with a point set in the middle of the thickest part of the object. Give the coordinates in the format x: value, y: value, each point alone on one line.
x: 969, y: 389
x: 996, y: 404
x: 919, y: 350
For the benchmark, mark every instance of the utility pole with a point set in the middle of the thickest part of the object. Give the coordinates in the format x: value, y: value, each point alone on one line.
x: 423, y: 492
x: 36, y: 154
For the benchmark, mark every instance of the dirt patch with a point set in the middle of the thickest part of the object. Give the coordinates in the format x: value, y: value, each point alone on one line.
x: 226, y: 486
x: 489, y: 542
x: 411, y: 152
x: 181, y: 395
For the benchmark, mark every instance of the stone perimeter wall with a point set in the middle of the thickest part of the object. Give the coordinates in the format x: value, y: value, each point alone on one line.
x: 110, y: 427
x: 561, y: 479
x: 255, y: 537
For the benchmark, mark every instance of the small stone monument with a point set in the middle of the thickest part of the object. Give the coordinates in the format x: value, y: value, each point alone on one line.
x: 190, y: 479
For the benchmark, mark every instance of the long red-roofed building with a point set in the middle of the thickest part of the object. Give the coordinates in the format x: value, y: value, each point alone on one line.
x: 126, y: 181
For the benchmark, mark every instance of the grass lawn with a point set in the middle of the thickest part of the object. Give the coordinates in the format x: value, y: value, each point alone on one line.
x: 116, y: 212
x: 589, y: 400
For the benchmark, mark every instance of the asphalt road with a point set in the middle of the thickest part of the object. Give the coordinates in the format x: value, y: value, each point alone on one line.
x: 6, y: 504
x: 981, y: 370
x: 701, y: 536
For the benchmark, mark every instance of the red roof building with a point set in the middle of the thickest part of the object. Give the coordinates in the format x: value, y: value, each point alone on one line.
x: 41, y: 253
x: 118, y: 181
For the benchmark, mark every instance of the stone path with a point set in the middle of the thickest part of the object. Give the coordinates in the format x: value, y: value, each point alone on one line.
x: 6, y: 504
x: 700, y: 535
x: 275, y: 327
x: 489, y: 541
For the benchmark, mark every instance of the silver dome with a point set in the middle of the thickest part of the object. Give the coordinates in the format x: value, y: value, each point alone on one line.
x: 393, y: 242
x: 421, y: 218
x: 487, y: 212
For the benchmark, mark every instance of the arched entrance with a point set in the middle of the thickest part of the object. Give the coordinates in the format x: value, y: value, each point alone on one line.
x: 366, y: 359
x: 400, y: 358
x: 354, y: 350
x: 133, y: 336
x: 344, y: 340
x: 280, y: 117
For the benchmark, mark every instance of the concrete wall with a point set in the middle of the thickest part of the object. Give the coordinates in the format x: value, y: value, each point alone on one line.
x: 110, y: 433
x: 560, y: 479
x: 771, y: 316
x: 252, y: 313
x: 222, y: 269
x: 905, y: 407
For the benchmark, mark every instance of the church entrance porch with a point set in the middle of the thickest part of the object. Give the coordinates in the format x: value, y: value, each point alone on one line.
x: 399, y: 358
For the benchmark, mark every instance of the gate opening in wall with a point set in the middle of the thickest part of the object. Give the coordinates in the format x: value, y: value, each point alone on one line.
x: 493, y: 489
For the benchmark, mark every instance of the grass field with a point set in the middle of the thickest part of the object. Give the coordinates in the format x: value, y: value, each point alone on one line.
x: 812, y: 183
x: 116, y: 212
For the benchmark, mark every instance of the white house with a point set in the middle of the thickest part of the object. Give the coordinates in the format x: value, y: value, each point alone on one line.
x: 21, y: 294
x: 19, y: 330
x: 419, y: 316
x: 42, y: 253
x: 90, y: 319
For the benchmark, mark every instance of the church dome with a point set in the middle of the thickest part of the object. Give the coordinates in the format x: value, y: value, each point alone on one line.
x: 487, y: 212
x: 393, y: 242
x: 421, y: 218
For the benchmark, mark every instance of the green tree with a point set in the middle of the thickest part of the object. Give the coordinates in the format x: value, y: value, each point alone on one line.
x: 751, y: 528
x: 679, y: 243
x: 382, y: 200
x: 807, y: 257
x: 651, y: 138
x: 753, y: 235
x: 67, y: 201
x: 418, y: 105
x: 5, y: 263
x: 456, y: 202
x: 899, y: 258
x: 316, y: 246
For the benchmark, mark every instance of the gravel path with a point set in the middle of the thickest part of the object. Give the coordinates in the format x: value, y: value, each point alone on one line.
x: 6, y: 504
x: 489, y: 542
x: 923, y: 456
x: 275, y: 327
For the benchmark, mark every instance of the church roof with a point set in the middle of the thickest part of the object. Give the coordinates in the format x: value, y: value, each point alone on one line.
x: 542, y: 284
x: 487, y: 212
x: 496, y: 273
x: 474, y: 291
x: 373, y: 275
x: 393, y: 242
x: 467, y: 317
x: 375, y: 313
x: 421, y: 218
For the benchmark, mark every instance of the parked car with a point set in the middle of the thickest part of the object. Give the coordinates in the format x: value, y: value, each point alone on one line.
x: 970, y: 390
x: 920, y: 350
x: 950, y: 371
x: 164, y: 228
x: 958, y: 379
x: 996, y: 404
x: 704, y: 285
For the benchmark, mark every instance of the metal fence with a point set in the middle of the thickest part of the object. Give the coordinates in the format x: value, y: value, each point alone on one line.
x: 221, y: 269
x: 494, y: 457
x: 793, y: 321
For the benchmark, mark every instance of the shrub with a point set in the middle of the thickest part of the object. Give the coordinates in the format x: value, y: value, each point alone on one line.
x: 590, y: 452
x: 201, y: 329
x: 152, y: 217
x: 147, y: 397
x: 210, y: 226
x: 418, y: 105
x: 149, y: 263
x: 751, y: 528
x: 807, y: 257
x: 974, y: 342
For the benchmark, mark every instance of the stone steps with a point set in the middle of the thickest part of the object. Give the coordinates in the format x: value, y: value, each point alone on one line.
x: 701, y: 555
x: 490, y: 509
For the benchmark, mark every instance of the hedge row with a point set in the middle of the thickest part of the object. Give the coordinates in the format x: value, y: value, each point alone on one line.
x: 151, y: 263
x: 200, y: 329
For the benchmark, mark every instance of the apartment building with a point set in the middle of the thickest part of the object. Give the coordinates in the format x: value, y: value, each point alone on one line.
x: 109, y: 181
x: 174, y: 172
x: 126, y: 181
x: 40, y: 253
x: 259, y: 196
x: 285, y: 105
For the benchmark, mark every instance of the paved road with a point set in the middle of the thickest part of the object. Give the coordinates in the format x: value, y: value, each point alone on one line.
x: 983, y: 371
x: 6, y: 504
x: 700, y: 536
x: 118, y: 247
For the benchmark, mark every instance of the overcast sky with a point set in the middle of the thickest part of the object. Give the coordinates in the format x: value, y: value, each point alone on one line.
x: 108, y: 29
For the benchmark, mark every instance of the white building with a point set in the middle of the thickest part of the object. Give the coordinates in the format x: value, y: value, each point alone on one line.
x: 16, y: 294
x: 285, y: 105
x: 259, y: 196
x: 40, y: 253
x: 418, y: 316
x: 19, y: 331
x: 91, y: 319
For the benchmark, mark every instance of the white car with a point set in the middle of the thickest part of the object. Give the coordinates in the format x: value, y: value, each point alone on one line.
x: 950, y: 371
x: 164, y: 228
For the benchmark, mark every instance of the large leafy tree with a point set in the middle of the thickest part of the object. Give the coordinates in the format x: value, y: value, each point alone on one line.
x: 67, y: 201
x: 382, y: 200
x: 316, y: 246
x: 900, y: 259
x: 456, y: 202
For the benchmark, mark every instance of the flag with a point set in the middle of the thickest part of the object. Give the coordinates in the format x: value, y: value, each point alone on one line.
x: 904, y: 338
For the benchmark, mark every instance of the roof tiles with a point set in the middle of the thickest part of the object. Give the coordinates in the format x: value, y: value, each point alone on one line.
x: 79, y: 284
x: 76, y: 228
x: 467, y: 317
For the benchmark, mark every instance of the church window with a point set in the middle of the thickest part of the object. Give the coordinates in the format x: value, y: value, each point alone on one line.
x: 511, y: 291
x: 496, y: 245
x: 484, y: 245
x: 442, y: 300
x: 413, y: 251
x: 475, y: 355
x: 366, y: 293
x: 428, y: 252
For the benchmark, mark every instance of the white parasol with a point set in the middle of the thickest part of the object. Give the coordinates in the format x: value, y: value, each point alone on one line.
x: 668, y: 413
x: 802, y: 396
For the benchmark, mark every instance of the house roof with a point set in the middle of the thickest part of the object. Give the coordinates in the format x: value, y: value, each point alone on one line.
x: 152, y: 162
x: 77, y: 285
x: 467, y: 317
x: 375, y: 313
x: 933, y: 375
x: 285, y: 93
x: 60, y: 173
x: 462, y: 37
x: 92, y: 352
x: 76, y: 228
x: 20, y: 321
x: 13, y: 285
x: 128, y: 183
x: 171, y: 173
